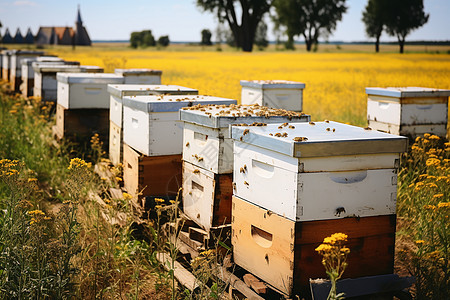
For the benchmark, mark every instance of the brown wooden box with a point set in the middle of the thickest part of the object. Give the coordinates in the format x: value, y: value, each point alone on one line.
x: 82, y: 124
x: 158, y: 176
x: 207, y: 196
x: 282, y: 252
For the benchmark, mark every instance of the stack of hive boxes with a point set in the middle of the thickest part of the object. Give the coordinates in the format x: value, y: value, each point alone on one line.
x: 300, y: 182
x: 16, y: 66
x: 117, y: 92
x: 208, y: 156
x: 27, y: 72
x: 408, y: 111
x: 140, y: 76
x: 83, y: 104
x: 6, y: 64
x: 273, y: 93
x: 153, y: 137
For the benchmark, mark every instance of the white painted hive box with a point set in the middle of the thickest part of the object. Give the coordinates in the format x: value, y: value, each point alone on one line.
x: 85, y: 90
x: 408, y: 110
x: 151, y: 124
x: 118, y: 91
x: 140, y: 76
x: 273, y: 93
x: 16, y: 61
x: 92, y: 69
x: 338, y: 171
x: 45, y: 83
x: 206, y: 135
x: 6, y: 63
x: 27, y: 68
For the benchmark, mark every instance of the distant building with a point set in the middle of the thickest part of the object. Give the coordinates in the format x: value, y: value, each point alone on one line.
x: 18, y: 38
x: 7, y: 38
x: 64, y: 35
x: 29, y: 38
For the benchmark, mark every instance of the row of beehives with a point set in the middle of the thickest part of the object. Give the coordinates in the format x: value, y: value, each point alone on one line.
x: 283, y: 183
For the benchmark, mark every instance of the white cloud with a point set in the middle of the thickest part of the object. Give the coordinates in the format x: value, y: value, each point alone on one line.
x: 24, y: 3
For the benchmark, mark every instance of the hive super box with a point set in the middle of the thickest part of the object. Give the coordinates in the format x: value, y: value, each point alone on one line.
x: 117, y: 92
x: 208, y: 156
x: 140, y: 76
x: 16, y: 66
x: 273, y: 93
x: 6, y: 63
x: 409, y: 111
x: 27, y: 72
x: 317, y: 171
x: 151, y: 127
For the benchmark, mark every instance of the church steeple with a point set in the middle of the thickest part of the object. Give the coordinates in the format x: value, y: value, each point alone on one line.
x: 79, y: 16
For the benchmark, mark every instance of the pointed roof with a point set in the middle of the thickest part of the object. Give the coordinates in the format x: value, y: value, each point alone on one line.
x: 18, y: 38
x: 79, y: 16
x: 29, y: 38
x: 7, y: 38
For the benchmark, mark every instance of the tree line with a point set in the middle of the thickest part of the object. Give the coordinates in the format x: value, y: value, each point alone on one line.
x: 313, y: 19
x: 145, y: 38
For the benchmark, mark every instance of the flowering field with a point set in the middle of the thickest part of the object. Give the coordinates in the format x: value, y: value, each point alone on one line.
x: 335, y: 82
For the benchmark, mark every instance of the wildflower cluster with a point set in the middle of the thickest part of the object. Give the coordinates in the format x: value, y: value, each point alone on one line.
x: 37, y: 216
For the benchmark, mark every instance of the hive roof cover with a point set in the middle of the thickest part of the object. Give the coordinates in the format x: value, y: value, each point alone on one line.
x: 319, y: 139
x: 272, y: 84
x: 126, y: 72
x: 90, y: 78
x: 120, y: 90
x: 410, y: 91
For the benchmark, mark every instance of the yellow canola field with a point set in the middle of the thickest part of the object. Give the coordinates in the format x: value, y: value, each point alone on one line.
x: 335, y: 82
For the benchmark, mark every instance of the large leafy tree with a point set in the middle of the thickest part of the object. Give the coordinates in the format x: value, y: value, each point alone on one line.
x: 403, y: 17
x: 243, y: 29
x: 309, y: 18
x: 374, y: 18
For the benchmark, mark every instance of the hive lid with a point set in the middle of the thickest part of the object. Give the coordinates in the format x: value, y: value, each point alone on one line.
x: 171, y: 103
x: 128, y: 72
x: 27, y: 52
x: 221, y: 116
x: 90, y: 78
x: 272, y: 84
x: 48, y: 58
x: 43, y: 67
x: 410, y: 91
x: 121, y: 90
x: 321, y: 139
x: 89, y: 69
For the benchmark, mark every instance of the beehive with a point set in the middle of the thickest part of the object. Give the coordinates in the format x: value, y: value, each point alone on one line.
x: 118, y: 91
x: 317, y: 171
x: 408, y: 111
x: 85, y: 90
x: 45, y: 83
x: 273, y: 93
x: 157, y: 176
x: 281, y: 251
x: 27, y: 72
x: 16, y: 66
x: 6, y: 63
x: 151, y: 123
x: 91, y: 69
x: 206, y: 136
x: 206, y: 196
x: 140, y: 76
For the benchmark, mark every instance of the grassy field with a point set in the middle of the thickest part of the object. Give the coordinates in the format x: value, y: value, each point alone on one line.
x: 335, y: 79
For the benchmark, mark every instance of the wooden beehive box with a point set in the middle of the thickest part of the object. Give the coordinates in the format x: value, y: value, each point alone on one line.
x: 281, y: 251
x: 409, y: 111
x: 118, y: 91
x: 85, y: 90
x: 45, y: 83
x: 273, y: 93
x: 6, y: 63
x: 81, y: 124
x: 157, y: 176
x: 339, y: 171
x: 27, y: 72
x: 206, y: 196
x: 140, y: 76
x: 206, y: 137
x: 16, y: 66
x: 151, y: 124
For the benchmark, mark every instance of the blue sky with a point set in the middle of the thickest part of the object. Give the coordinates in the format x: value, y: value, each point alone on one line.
x: 180, y: 19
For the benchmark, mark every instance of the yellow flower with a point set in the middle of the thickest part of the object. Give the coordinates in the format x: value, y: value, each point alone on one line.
x: 434, y: 137
x: 159, y: 200
x: 126, y: 196
x: 172, y: 201
x: 431, y: 185
x: 430, y: 207
x: 158, y: 206
x: 324, y: 248
x: 444, y: 205
x: 437, y: 196
x: 345, y: 250
x: 12, y: 111
x: 77, y: 163
x: 36, y: 212
x: 426, y: 135
x: 118, y: 179
x: 420, y: 242
x: 432, y: 162
x: 30, y: 180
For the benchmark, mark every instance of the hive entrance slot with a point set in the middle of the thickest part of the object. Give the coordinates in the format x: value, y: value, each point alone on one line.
x: 261, y: 237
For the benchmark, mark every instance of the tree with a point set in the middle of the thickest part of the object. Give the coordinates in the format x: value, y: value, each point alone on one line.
x: 252, y: 12
x: 403, y: 17
x: 206, y: 37
x: 164, y: 41
x: 374, y: 17
x: 309, y: 18
x: 142, y: 39
x: 261, y: 36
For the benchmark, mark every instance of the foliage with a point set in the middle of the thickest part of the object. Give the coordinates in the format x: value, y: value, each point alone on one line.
x: 309, y: 18
x: 142, y: 39
x: 252, y: 12
x: 424, y: 206
x: 163, y: 41
x: 404, y: 16
x: 261, y: 36
x: 334, y: 256
x: 206, y: 37
x: 374, y: 16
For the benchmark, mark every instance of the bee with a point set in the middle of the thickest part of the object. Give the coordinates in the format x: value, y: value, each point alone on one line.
x: 234, y: 185
x: 246, y: 183
x: 245, y: 167
x: 241, y: 139
x: 187, y: 144
x: 334, y: 129
x: 300, y: 139
x: 328, y: 129
x: 196, y: 171
x: 271, y: 134
x: 326, y: 121
x: 241, y: 170
x: 278, y: 134
x: 367, y: 128
x: 291, y: 126
x: 284, y: 134
x: 339, y: 211
x: 285, y: 124
x: 312, y: 123
x: 246, y: 131
x: 200, y: 158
